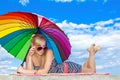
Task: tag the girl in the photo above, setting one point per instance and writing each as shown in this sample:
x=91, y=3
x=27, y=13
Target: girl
x=40, y=60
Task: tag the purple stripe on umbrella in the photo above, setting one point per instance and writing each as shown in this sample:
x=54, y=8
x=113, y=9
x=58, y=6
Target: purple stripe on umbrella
x=60, y=38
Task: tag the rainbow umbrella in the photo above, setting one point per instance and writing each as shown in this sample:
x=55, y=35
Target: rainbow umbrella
x=16, y=29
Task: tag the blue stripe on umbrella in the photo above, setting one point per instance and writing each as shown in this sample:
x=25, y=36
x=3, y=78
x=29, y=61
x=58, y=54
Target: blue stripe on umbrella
x=51, y=45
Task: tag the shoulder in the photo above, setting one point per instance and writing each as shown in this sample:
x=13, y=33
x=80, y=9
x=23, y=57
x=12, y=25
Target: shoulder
x=49, y=52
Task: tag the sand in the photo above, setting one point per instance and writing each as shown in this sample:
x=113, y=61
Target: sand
x=55, y=77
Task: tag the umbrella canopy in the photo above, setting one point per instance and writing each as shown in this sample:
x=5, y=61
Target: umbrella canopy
x=16, y=29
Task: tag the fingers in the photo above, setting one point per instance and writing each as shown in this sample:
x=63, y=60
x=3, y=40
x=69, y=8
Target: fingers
x=32, y=51
x=32, y=48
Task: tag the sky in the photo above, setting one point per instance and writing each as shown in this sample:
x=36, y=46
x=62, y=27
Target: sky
x=83, y=21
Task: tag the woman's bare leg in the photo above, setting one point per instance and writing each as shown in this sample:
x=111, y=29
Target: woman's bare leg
x=89, y=65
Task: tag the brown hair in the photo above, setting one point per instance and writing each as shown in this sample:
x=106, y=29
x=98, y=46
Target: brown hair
x=35, y=37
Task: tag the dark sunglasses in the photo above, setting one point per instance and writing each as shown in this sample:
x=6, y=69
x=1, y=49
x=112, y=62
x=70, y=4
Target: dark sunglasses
x=40, y=48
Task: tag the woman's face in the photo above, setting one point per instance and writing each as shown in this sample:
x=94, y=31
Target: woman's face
x=40, y=47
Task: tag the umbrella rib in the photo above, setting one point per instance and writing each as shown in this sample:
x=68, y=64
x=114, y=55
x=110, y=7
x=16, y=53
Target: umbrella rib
x=51, y=32
x=57, y=45
x=45, y=21
x=55, y=26
x=35, y=20
x=54, y=31
x=21, y=50
x=27, y=17
x=32, y=19
x=16, y=43
x=21, y=16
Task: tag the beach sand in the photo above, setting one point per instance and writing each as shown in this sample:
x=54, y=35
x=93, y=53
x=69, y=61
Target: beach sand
x=60, y=77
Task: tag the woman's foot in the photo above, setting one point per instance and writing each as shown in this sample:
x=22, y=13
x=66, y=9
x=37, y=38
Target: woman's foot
x=93, y=49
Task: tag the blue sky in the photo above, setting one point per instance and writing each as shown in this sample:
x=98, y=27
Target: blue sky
x=84, y=22
x=78, y=11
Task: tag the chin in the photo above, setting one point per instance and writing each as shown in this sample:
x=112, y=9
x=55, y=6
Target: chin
x=40, y=54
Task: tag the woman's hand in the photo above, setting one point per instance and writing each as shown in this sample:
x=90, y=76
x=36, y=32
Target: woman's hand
x=20, y=69
x=31, y=51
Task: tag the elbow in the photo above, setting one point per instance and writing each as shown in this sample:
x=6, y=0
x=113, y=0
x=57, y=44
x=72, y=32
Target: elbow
x=46, y=72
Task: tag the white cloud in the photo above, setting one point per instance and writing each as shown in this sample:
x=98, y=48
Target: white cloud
x=110, y=64
x=96, y=28
x=24, y=2
x=81, y=0
x=117, y=24
x=53, y=19
x=72, y=25
x=4, y=54
x=103, y=23
x=82, y=41
x=7, y=62
x=62, y=1
x=6, y=68
x=117, y=19
x=103, y=33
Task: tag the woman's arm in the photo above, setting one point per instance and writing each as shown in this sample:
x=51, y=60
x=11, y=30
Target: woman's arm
x=48, y=62
x=29, y=63
x=21, y=70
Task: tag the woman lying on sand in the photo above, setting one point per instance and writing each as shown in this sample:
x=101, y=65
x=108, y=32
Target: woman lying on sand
x=40, y=60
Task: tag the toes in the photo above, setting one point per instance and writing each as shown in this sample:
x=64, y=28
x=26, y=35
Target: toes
x=93, y=48
x=97, y=48
x=92, y=45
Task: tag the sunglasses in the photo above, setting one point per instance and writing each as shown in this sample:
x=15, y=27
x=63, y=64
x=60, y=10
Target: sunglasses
x=40, y=48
